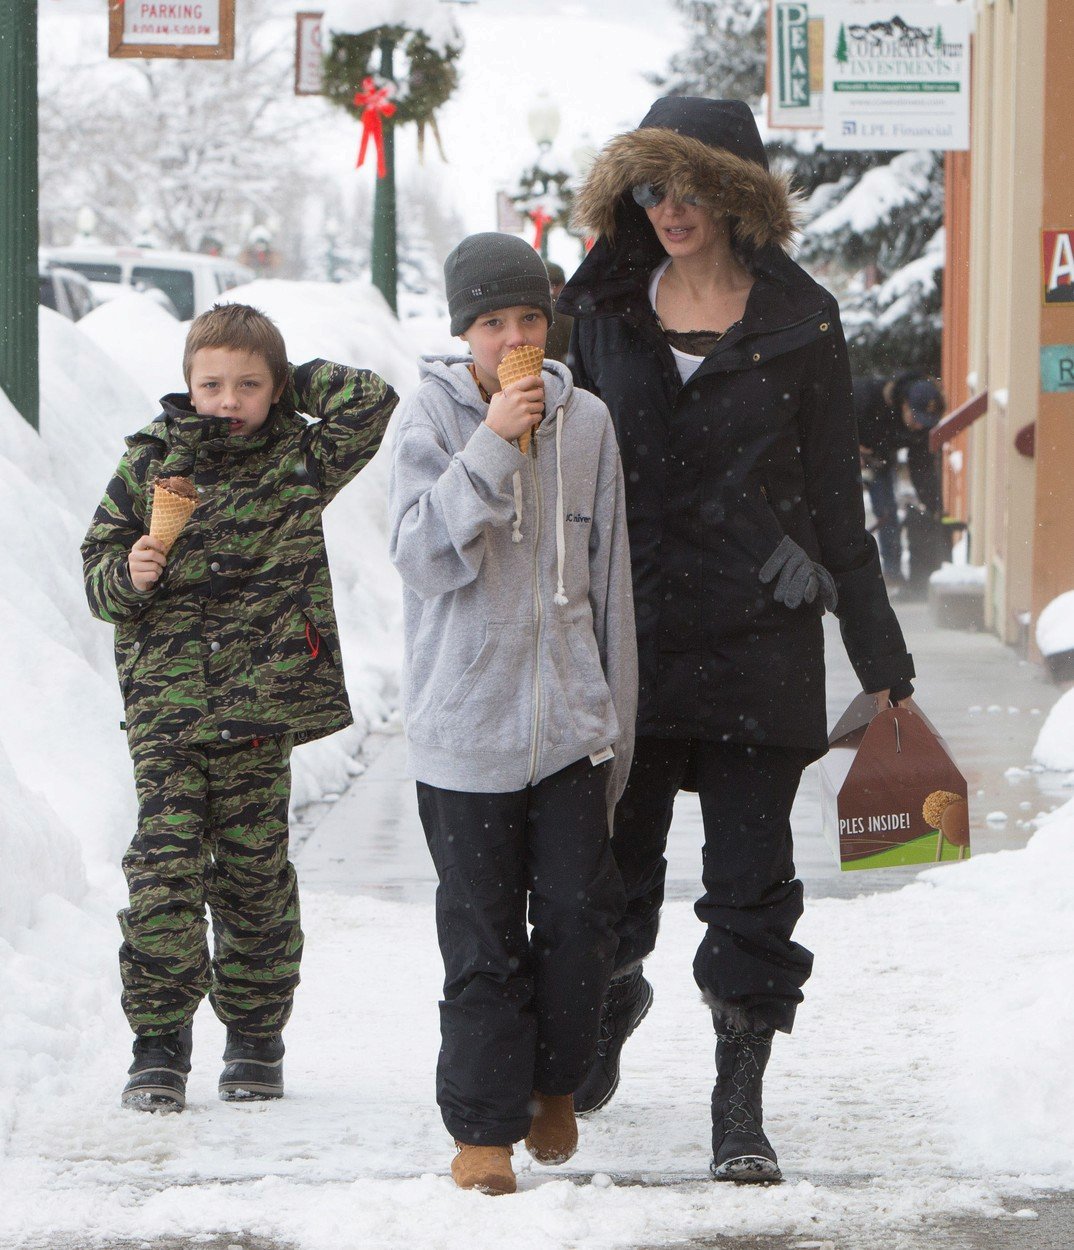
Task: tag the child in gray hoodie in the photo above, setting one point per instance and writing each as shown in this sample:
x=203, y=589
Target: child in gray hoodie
x=520, y=688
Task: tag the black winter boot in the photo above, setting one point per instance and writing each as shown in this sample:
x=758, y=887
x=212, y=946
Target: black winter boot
x=625, y=1006
x=740, y=1150
x=159, y=1071
x=253, y=1067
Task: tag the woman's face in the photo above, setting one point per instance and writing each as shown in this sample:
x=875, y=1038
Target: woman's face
x=685, y=229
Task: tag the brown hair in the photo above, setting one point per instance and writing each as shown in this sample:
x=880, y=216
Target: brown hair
x=240, y=328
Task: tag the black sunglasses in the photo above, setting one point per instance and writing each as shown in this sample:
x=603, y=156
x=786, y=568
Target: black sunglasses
x=646, y=195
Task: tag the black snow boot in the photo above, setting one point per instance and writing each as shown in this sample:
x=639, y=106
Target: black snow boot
x=625, y=1005
x=253, y=1067
x=159, y=1071
x=740, y=1150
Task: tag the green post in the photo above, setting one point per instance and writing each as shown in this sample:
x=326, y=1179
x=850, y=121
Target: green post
x=18, y=206
x=384, y=242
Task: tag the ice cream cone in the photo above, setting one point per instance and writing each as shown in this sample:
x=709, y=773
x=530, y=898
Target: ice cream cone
x=174, y=499
x=523, y=362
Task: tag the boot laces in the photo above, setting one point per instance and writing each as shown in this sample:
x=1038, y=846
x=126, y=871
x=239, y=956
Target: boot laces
x=606, y=1032
x=745, y=1069
x=618, y=998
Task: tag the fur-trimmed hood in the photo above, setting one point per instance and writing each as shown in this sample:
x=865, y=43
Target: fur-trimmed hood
x=708, y=149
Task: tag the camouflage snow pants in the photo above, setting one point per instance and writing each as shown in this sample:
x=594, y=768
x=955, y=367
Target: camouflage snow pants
x=212, y=829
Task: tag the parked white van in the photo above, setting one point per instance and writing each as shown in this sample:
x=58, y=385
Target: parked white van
x=192, y=281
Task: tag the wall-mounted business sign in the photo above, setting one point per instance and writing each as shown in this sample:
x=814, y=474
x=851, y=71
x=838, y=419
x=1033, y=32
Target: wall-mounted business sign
x=795, y=65
x=897, y=76
x=1057, y=368
x=1058, y=266
x=179, y=29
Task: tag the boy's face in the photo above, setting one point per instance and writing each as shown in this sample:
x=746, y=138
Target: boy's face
x=233, y=385
x=496, y=333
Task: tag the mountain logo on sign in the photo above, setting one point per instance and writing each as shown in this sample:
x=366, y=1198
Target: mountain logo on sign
x=895, y=38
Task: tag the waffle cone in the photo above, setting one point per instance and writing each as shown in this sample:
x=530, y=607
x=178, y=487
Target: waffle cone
x=170, y=513
x=523, y=362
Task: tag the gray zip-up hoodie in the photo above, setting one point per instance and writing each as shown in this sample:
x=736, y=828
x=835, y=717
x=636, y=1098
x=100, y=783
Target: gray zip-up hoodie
x=520, y=655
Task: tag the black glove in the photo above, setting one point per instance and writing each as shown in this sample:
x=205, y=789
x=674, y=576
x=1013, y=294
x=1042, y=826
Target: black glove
x=800, y=578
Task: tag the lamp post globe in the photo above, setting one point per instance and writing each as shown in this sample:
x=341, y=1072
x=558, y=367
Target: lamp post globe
x=543, y=119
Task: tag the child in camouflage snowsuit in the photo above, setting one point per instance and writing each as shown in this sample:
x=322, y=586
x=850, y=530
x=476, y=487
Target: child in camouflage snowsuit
x=228, y=655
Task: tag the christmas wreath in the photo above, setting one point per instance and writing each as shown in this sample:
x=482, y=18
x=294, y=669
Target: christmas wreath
x=423, y=76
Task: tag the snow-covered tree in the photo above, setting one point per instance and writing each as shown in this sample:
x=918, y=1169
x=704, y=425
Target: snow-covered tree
x=724, y=55
x=180, y=150
x=874, y=220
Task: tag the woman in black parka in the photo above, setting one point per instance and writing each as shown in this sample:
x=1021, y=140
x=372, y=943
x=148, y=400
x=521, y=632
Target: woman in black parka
x=725, y=370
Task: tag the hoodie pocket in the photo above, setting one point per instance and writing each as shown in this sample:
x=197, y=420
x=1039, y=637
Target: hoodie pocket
x=580, y=705
x=487, y=707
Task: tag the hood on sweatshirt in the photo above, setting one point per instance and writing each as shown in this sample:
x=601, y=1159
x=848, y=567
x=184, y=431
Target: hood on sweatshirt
x=452, y=373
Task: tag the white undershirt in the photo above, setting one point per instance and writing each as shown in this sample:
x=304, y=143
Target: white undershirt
x=686, y=364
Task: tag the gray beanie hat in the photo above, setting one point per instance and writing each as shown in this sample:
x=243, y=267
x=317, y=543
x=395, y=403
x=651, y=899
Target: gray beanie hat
x=489, y=271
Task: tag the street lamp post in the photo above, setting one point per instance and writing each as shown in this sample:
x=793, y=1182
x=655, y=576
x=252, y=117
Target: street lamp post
x=18, y=206
x=331, y=259
x=385, y=259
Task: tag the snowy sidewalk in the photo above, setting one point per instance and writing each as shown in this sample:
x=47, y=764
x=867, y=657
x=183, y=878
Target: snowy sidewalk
x=924, y=1098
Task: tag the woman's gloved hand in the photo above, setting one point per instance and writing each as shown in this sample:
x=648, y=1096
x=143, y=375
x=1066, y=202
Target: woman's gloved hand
x=800, y=578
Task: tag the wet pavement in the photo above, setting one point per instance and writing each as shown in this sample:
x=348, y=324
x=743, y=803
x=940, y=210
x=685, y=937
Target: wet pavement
x=1045, y=1222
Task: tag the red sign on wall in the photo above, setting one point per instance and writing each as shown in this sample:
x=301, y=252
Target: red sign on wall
x=1058, y=270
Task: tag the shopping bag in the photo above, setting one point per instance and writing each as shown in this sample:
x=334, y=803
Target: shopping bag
x=891, y=792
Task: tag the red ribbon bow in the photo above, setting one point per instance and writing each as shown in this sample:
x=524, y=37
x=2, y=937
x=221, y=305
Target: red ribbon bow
x=376, y=101
x=540, y=219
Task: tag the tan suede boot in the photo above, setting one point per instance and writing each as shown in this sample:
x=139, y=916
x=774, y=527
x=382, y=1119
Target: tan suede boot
x=553, y=1135
x=484, y=1168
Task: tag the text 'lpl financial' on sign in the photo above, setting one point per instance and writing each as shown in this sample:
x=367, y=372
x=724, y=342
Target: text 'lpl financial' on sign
x=180, y=29
x=795, y=65
x=897, y=76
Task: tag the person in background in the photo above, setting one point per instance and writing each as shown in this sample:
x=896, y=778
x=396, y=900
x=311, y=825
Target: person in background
x=725, y=370
x=893, y=414
x=559, y=333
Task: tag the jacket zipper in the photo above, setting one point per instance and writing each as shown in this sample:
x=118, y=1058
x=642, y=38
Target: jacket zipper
x=537, y=630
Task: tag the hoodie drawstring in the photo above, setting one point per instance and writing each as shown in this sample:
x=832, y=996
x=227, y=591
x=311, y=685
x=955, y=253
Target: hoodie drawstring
x=560, y=596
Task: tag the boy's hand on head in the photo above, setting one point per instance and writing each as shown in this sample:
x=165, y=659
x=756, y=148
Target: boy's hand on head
x=146, y=562
x=518, y=408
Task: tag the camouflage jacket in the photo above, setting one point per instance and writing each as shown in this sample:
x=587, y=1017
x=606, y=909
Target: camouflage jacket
x=238, y=639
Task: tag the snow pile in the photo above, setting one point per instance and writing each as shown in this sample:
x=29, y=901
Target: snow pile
x=965, y=576
x=135, y=330
x=1055, y=625
x=1011, y=1096
x=1055, y=743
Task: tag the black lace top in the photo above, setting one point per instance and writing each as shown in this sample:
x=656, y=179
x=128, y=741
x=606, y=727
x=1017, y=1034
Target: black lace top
x=694, y=342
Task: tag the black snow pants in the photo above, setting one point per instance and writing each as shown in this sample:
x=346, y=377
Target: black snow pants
x=751, y=901
x=521, y=1009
